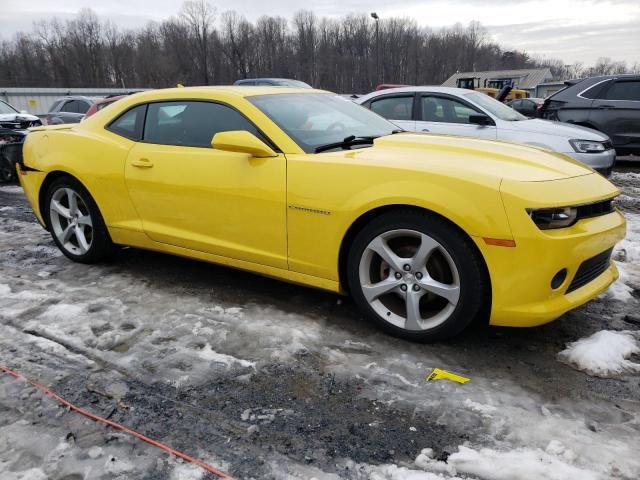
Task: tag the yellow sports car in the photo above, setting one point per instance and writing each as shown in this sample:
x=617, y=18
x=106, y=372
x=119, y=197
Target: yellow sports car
x=426, y=232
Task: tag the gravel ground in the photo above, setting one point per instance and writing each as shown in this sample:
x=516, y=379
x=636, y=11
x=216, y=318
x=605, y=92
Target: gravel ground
x=268, y=380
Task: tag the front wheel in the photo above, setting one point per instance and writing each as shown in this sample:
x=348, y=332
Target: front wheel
x=75, y=222
x=416, y=276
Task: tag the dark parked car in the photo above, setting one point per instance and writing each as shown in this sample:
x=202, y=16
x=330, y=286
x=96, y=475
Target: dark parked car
x=272, y=82
x=68, y=110
x=610, y=104
x=13, y=130
x=529, y=107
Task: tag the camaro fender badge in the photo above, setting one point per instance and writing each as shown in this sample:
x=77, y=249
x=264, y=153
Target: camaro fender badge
x=310, y=210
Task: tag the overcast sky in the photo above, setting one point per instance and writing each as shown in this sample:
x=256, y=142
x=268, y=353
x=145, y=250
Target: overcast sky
x=572, y=30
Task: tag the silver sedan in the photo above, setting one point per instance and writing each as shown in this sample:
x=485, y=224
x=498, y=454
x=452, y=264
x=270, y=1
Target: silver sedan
x=457, y=111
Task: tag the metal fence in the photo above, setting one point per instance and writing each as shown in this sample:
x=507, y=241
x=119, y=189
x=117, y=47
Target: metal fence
x=39, y=100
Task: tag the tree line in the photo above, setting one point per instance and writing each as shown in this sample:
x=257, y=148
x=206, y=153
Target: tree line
x=198, y=47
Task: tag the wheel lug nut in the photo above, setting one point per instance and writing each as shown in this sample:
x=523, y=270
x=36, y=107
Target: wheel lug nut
x=398, y=275
x=403, y=287
x=416, y=288
x=418, y=275
x=407, y=267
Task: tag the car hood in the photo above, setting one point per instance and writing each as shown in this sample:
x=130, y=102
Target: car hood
x=17, y=117
x=451, y=155
x=557, y=129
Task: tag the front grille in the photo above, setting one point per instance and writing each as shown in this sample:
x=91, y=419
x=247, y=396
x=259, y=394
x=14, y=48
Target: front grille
x=590, y=270
x=596, y=209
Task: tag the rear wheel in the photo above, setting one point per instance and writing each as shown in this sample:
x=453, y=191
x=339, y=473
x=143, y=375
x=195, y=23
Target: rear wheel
x=75, y=222
x=416, y=276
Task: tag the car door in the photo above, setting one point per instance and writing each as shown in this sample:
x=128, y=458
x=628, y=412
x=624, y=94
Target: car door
x=440, y=113
x=190, y=195
x=397, y=107
x=616, y=112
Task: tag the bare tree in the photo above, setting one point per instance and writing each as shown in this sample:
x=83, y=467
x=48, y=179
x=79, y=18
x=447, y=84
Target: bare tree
x=333, y=53
x=199, y=16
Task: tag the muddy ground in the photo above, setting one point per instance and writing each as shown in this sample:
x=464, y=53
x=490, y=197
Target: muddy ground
x=269, y=380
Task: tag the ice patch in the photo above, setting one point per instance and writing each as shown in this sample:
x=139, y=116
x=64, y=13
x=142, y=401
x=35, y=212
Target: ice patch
x=603, y=354
x=62, y=311
x=484, y=410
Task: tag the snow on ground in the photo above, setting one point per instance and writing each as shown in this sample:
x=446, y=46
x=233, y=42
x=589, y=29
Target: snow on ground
x=152, y=329
x=605, y=353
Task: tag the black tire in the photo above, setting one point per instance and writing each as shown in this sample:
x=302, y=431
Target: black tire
x=101, y=247
x=474, y=284
x=7, y=170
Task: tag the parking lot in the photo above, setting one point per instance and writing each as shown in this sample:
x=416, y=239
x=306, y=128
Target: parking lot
x=264, y=379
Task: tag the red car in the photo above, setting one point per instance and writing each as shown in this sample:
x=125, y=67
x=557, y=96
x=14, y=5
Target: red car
x=100, y=104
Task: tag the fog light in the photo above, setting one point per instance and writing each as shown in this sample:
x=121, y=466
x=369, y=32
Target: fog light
x=559, y=278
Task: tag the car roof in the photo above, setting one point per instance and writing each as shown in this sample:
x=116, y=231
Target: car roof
x=236, y=90
x=79, y=97
x=435, y=89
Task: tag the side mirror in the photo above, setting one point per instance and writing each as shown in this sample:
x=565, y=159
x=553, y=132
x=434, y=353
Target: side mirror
x=241, y=141
x=480, y=120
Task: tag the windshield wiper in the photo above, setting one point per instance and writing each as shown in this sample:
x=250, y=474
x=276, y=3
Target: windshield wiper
x=346, y=143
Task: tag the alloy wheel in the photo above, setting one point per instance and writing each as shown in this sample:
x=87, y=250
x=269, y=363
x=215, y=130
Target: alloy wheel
x=71, y=221
x=409, y=279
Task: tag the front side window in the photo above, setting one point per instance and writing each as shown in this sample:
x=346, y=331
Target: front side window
x=315, y=119
x=191, y=123
x=445, y=110
x=394, y=108
x=622, y=90
x=129, y=124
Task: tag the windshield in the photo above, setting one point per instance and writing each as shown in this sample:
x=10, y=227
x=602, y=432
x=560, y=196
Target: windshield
x=6, y=108
x=315, y=119
x=495, y=107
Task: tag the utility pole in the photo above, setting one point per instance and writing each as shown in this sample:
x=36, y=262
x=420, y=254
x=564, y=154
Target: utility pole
x=374, y=15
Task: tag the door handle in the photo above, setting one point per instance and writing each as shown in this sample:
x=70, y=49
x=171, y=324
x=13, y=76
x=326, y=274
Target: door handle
x=607, y=107
x=425, y=129
x=142, y=163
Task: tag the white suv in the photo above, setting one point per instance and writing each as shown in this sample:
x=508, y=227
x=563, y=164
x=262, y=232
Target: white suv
x=457, y=111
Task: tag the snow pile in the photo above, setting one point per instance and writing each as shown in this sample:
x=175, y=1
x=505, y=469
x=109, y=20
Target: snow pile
x=520, y=464
x=627, y=256
x=553, y=463
x=604, y=353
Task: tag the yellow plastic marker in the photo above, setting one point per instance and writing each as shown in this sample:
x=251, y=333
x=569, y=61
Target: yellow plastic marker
x=438, y=374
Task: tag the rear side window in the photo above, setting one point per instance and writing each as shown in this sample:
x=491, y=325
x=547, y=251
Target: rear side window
x=190, y=123
x=129, y=124
x=394, y=108
x=75, y=106
x=621, y=90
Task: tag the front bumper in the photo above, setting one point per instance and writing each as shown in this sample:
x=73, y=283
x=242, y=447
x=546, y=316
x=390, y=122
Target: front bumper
x=522, y=294
x=598, y=161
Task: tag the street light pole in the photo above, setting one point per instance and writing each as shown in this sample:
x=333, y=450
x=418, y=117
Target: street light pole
x=374, y=15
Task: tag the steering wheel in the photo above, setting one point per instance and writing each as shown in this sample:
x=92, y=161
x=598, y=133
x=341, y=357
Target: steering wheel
x=336, y=126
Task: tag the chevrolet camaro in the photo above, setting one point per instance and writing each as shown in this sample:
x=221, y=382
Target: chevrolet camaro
x=425, y=232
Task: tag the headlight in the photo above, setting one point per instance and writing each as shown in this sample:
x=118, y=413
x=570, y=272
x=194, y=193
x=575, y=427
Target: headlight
x=587, y=146
x=547, y=218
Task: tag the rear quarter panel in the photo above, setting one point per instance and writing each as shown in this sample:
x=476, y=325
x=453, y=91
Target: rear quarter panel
x=95, y=158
